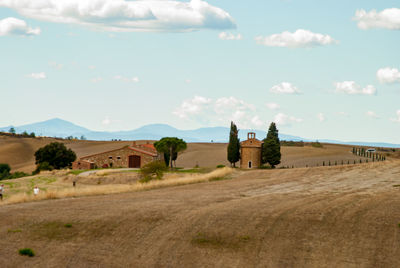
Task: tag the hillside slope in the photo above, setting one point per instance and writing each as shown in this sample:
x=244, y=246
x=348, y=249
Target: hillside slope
x=19, y=152
x=310, y=217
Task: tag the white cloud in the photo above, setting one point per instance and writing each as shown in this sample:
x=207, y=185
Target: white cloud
x=56, y=65
x=230, y=36
x=343, y=114
x=371, y=114
x=321, y=117
x=92, y=67
x=386, y=19
x=41, y=75
x=283, y=119
x=388, y=75
x=300, y=38
x=192, y=107
x=126, y=16
x=96, y=79
x=257, y=122
x=227, y=104
x=352, y=88
x=285, y=88
x=127, y=79
x=13, y=26
x=188, y=81
x=106, y=121
x=273, y=106
x=219, y=111
x=398, y=117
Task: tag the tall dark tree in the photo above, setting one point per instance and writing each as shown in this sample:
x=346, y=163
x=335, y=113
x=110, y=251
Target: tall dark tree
x=170, y=147
x=55, y=155
x=234, y=145
x=271, y=150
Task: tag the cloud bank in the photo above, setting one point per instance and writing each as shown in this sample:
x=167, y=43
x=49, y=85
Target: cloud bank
x=300, y=38
x=126, y=16
x=386, y=19
x=13, y=26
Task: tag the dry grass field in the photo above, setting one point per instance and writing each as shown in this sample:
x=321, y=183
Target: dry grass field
x=344, y=216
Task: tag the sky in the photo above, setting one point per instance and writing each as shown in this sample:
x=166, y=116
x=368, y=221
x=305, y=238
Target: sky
x=319, y=69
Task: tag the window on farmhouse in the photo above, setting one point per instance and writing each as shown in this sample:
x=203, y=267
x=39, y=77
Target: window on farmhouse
x=110, y=157
x=119, y=157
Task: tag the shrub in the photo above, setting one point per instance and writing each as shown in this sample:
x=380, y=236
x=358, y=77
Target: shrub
x=43, y=166
x=317, y=144
x=27, y=252
x=4, y=171
x=17, y=174
x=267, y=166
x=220, y=166
x=68, y=225
x=153, y=170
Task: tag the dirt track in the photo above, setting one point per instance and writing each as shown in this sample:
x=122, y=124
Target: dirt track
x=318, y=217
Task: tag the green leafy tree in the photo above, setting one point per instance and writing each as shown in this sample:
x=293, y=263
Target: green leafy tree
x=4, y=171
x=170, y=147
x=55, y=155
x=12, y=130
x=271, y=150
x=234, y=145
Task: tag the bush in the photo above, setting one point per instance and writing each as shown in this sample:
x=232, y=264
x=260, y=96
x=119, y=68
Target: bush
x=292, y=143
x=317, y=144
x=17, y=174
x=153, y=170
x=4, y=171
x=267, y=166
x=43, y=166
x=220, y=166
x=27, y=252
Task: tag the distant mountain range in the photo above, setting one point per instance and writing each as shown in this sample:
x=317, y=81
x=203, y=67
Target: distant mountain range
x=61, y=128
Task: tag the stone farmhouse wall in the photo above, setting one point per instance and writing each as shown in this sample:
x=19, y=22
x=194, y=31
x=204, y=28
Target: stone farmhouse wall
x=117, y=158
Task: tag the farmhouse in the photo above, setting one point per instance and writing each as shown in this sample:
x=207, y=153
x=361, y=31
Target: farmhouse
x=134, y=156
x=250, y=152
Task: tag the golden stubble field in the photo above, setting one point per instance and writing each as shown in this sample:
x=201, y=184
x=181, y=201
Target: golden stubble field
x=345, y=216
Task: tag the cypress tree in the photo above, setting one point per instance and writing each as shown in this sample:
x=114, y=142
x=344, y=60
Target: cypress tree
x=234, y=145
x=271, y=149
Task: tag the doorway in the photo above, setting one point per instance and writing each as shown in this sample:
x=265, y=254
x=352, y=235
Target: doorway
x=134, y=161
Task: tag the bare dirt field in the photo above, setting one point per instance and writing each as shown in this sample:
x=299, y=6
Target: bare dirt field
x=19, y=153
x=307, y=217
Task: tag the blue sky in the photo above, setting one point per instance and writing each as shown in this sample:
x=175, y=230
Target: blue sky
x=320, y=69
